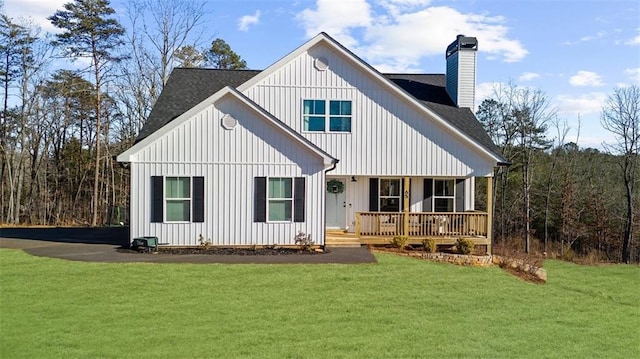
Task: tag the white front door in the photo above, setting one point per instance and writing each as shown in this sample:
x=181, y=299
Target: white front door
x=336, y=203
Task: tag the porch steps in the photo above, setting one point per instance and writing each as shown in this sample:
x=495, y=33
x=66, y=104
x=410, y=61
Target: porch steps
x=341, y=239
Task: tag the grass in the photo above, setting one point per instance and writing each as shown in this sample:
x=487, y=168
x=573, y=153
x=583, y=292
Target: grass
x=399, y=308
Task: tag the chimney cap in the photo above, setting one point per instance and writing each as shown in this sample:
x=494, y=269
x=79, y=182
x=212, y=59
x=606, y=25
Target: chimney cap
x=462, y=43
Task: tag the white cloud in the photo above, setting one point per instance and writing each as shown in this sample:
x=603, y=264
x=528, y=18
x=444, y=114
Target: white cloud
x=634, y=74
x=585, y=78
x=587, y=38
x=336, y=18
x=528, y=76
x=247, y=20
x=583, y=104
x=396, y=34
x=35, y=11
x=634, y=40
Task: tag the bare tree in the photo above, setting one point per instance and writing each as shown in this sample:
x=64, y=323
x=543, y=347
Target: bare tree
x=621, y=116
x=561, y=129
x=168, y=26
x=23, y=55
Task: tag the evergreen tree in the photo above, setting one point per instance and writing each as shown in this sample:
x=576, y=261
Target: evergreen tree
x=220, y=56
x=89, y=30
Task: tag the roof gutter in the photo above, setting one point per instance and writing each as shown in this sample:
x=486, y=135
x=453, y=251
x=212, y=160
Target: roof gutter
x=324, y=232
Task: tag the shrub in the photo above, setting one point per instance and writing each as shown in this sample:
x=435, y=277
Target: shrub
x=400, y=241
x=567, y=253
x=303, y=241
x=429, y=245
x=204, y=243
x=464, y=246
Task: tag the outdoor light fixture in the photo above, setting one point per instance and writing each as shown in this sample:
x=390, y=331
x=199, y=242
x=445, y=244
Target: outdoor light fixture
x=353, y=179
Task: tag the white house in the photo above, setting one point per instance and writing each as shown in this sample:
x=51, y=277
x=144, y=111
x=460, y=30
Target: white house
x=319, y=141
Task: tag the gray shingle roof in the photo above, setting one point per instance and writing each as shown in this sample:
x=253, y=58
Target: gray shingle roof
x=188, y=87
x=430, y=90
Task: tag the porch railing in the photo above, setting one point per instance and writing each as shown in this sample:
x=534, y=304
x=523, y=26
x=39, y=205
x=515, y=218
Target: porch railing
x=422, y=224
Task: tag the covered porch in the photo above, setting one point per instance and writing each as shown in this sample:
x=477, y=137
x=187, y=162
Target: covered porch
x=444, y=227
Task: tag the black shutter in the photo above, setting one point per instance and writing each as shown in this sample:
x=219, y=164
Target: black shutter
x=157, y=200
x=298, y=199
x=260, y=199
x=373, y=195
x=459, y=195
x=197, y=203
x=427, y=202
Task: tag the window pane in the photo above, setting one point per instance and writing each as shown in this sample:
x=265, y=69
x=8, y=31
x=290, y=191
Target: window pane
x=444, y=187
x=389, y=187
x=313, y=107
x=345, y=108
x=443, y=204
x=178, y=210
x=280, y=188
x=340, y=124
x=319, y=107
x=178, y=187
x=340, y=108
x=334, y=108
x=280, y=210
x=389, y=204
x=314, y=123
x=307, y=107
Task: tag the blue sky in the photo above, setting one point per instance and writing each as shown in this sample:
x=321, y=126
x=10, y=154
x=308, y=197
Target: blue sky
x=577, y=52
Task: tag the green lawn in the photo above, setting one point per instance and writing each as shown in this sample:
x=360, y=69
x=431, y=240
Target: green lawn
x=398, y=308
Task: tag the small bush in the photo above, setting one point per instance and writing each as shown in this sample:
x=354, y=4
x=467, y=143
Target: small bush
x=304, y=241
x=568, y=254
x=429, y=245
x=204, y=243
x=464, y=246
x=400, y=241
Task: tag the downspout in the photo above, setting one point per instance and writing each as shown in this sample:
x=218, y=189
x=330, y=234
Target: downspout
x=324, y=231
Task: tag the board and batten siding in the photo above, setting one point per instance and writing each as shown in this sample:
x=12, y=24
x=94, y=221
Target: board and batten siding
x=229, y=160
x=461, y=77
x=388, y=137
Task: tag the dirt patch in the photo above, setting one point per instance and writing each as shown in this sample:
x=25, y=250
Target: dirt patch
x=268, y=251
x=524, y=275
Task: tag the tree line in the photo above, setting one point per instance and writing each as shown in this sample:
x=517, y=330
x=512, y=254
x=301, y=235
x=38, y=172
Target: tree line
x=73, y=100
x=555, y=195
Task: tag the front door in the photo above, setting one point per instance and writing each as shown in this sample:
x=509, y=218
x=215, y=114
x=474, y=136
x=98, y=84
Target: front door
x=336, y=203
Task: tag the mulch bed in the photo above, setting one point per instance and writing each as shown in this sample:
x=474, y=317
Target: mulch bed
x=267, y=251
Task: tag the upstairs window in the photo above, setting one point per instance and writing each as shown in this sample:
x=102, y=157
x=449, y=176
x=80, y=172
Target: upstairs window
x=315, y=116
x=340, y=116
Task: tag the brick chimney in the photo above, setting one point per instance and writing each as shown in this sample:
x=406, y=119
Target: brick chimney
x=461, y=71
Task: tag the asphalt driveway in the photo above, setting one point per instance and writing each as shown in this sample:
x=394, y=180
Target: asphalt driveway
x=77, y=245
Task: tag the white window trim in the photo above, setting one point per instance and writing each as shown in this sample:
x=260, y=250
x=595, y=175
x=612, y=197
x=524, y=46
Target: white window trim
x=380, y=196
x=327, y=116
x=269, y=199
x=166, y=199
x=436, y=196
